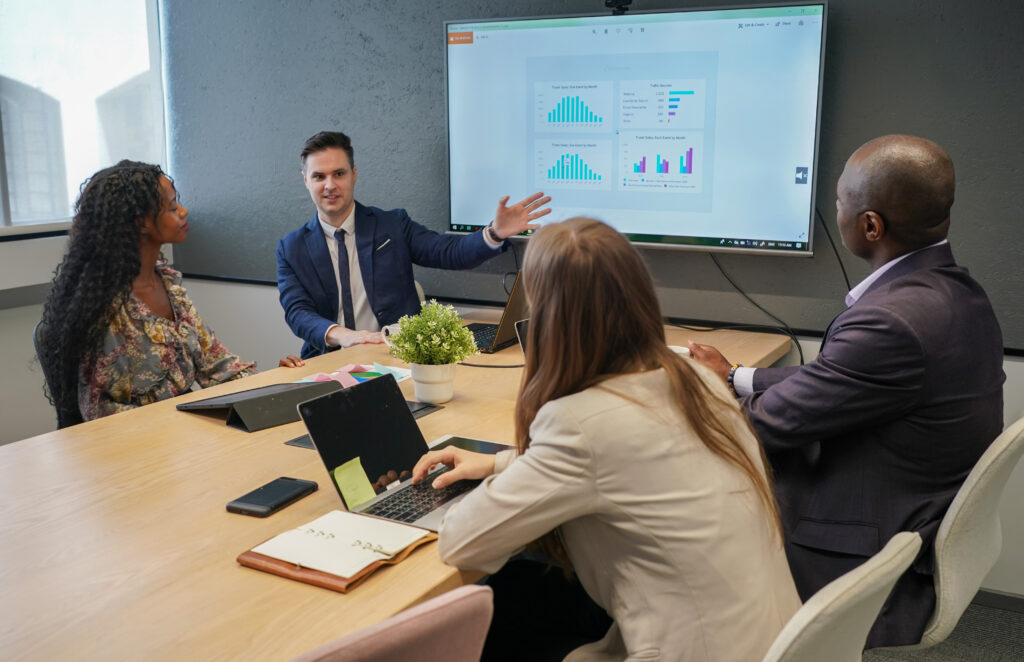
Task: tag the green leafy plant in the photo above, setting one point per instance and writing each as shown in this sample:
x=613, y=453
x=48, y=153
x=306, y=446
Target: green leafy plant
x=433, y=337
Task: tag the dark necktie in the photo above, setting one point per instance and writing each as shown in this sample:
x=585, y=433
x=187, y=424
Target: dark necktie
x=343, y=281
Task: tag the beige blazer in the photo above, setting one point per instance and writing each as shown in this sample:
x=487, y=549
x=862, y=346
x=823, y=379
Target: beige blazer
x=667, y=537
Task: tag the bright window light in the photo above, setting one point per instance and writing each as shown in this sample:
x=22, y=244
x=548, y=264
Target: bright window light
x=80, y=89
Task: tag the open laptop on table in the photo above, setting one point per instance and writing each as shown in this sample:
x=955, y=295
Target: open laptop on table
x=492, y=337
x=369, y=442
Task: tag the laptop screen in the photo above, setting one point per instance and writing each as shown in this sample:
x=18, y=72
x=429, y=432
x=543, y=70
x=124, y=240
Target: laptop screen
x=366, y=437
x=515, y=309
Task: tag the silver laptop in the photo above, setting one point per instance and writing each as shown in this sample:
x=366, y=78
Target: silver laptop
x=369, y=442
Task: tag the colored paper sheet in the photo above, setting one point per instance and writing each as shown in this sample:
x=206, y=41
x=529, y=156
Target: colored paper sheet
x=318, y=377
x=399, y=373
x=344, y=378
x=354, y=367
x=355, y=373
x=351, y=480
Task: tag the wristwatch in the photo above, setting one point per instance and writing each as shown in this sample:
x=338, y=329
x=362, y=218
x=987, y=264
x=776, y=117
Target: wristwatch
x=731, y=379
x=493, y=234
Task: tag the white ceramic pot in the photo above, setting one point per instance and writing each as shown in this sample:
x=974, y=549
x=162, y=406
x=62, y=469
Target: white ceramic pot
x=433, y=384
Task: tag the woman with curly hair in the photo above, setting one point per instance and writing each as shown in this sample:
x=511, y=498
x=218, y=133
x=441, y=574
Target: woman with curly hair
x=634, y=467
x=118, y=329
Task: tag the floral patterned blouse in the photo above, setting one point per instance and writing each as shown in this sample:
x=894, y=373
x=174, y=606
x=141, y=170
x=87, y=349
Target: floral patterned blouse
x=147, y=358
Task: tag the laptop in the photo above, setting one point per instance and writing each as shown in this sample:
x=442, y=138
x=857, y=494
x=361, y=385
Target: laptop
x=492, y=337
x=369, y=442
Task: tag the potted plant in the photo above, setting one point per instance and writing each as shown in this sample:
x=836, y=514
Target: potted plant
x=432, y=342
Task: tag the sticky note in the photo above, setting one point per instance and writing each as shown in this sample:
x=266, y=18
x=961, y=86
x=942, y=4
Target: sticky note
x=351, y=480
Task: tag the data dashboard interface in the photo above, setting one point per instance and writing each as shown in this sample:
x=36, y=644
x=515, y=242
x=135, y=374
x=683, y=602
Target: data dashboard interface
x=694, y=128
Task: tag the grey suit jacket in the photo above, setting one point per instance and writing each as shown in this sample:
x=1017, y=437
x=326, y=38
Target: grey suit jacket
x=877, y=434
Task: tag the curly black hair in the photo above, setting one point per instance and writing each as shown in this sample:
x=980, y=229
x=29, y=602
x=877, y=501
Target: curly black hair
x=95, y=277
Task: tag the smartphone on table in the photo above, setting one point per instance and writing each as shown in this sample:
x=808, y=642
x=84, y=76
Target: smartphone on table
x=272, y=497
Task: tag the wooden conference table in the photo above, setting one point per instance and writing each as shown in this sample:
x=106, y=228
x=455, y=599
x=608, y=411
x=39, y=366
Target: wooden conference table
x=115, y=543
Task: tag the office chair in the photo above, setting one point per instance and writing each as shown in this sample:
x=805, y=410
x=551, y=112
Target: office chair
x=970, y=537
x=834, y=623
x=37, y=337
x=37, y=334
x=450, y=627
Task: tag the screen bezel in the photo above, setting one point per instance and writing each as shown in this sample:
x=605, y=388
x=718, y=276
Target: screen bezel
x=688, y=243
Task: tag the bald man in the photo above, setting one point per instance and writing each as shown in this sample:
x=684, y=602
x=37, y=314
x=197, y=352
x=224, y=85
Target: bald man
x=876, y=435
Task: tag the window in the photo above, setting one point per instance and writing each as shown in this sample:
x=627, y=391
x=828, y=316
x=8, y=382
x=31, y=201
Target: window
x=80, y=89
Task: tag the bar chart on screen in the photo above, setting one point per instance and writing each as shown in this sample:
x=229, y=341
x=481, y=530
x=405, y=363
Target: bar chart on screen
x=573, y=106
x=668, y=162
x=662, y=104
x=662, y=166
x=574, y=164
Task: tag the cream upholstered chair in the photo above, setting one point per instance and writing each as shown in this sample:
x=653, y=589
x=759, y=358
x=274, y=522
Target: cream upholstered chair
x=834, y=623
x=970, y=536
x=450, y=627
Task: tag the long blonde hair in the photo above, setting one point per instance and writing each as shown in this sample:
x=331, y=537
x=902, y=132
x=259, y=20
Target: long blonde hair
x=594, y=315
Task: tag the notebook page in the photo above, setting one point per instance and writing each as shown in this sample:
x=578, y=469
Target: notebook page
x=341, y=543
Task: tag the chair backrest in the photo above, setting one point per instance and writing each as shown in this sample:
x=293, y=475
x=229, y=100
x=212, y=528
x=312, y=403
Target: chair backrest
x=450, y=627
x=834, y=623
x=37, y=334
x=37, y=337
x=970, y=537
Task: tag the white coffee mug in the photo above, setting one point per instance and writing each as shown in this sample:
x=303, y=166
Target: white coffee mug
x=387, y=331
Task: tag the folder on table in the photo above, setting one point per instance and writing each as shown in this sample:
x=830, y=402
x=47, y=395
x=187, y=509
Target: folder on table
x=263, y=407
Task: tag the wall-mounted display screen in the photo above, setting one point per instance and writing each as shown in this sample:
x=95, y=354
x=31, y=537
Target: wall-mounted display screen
x=688, y=129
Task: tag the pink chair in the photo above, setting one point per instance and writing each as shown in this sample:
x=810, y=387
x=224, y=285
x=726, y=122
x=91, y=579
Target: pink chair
x=450, y=627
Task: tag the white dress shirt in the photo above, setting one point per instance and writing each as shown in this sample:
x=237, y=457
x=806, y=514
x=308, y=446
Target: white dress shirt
x=365, y=320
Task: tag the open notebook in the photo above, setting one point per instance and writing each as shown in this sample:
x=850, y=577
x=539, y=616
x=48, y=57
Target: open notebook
x=336, y=551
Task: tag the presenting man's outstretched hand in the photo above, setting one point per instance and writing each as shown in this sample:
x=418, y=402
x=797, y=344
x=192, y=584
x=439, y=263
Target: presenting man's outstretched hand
x=520, y=217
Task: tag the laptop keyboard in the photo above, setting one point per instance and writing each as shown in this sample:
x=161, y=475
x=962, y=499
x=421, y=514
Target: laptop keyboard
x=413, y=501
x=483, y=334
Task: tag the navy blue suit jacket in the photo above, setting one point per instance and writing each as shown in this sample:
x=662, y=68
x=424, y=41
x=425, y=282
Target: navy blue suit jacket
x=388, y=244
x=876, y=435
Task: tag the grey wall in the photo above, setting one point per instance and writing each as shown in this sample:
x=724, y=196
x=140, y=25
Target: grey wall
x=247, y=82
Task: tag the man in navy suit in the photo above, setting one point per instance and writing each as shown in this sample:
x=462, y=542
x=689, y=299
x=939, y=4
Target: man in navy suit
x=877, y=434
x=347, y=272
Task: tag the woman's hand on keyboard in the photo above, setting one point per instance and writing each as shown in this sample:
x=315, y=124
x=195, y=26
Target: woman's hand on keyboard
x=465, y=465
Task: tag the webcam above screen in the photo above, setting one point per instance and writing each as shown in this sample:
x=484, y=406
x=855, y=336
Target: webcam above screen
x=689, y=129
